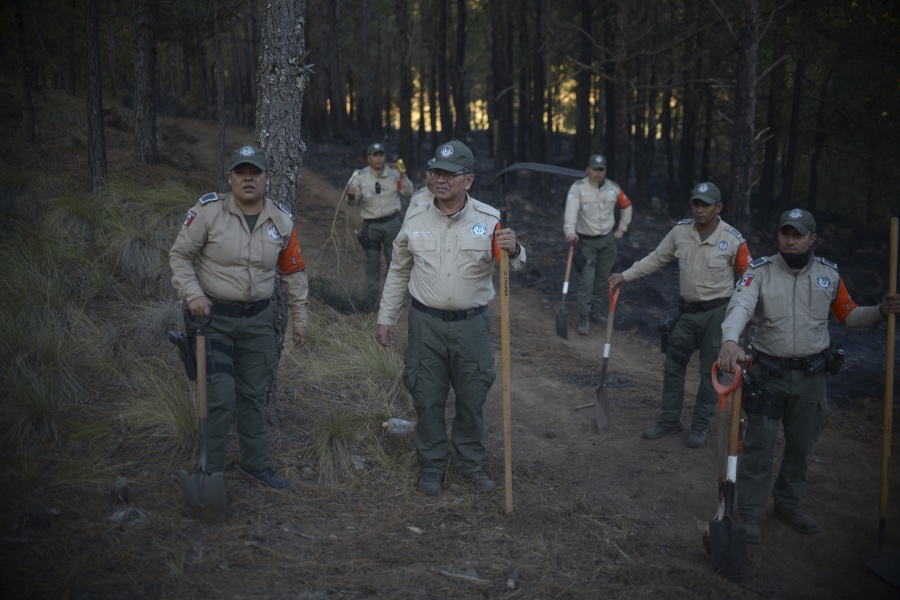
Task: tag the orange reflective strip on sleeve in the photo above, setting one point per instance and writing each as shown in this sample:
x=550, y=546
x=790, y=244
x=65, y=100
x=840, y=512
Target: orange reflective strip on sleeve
x=496, y=243
x=623, y=200
x=843, y=304
x=290, y=260
x=743, y=259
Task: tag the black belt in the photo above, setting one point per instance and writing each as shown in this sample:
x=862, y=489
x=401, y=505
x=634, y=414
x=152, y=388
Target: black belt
x=585, y=236
x=449, y=315
x=776, y=363
x=383, y=219
x=240, y=309
x=701, y=307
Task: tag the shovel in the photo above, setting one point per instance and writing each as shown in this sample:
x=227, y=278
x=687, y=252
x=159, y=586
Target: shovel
x=726, y=540
x=562, y=326
x=886, y=564
x=204, y=493
x=602, y=409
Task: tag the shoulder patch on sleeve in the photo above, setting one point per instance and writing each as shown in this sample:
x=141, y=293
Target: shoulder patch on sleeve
x=207, y=198
x=827, y=262
x=685, y=222
x=486, y=209
x=284, y=209
x=735, y=233
x=759, y=262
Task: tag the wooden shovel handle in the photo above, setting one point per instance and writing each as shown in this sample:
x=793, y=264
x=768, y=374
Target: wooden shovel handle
x=569, y=265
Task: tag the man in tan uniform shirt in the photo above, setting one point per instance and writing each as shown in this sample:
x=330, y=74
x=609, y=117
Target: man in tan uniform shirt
x=590, y=221
x=709, y=253
x=790, y=294
x=444, y=255
x=377, y=189
x=224, y=263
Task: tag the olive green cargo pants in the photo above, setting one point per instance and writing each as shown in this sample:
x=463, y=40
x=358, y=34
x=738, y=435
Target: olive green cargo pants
x=381, y=238
x=593, y=286
x=805, y=417
x=697, y=331
x=441, y=354
x=237, y=387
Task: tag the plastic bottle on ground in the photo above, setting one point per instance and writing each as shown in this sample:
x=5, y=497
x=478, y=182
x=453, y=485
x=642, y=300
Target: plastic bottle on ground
x=399, y=426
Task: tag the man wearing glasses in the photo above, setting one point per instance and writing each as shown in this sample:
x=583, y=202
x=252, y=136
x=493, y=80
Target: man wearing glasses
x=377, y=189
x=444, y=255
x=589, y=219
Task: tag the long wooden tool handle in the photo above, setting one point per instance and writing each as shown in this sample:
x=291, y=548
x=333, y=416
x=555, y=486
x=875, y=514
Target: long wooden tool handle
x=569, y=267
x=504, y=358
x=888, y=391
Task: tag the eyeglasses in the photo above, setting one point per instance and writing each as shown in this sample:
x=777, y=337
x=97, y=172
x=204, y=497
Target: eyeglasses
x=437, y=174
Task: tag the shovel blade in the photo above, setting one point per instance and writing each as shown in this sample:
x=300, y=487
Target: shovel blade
x=601, y=408
x=562, y=325
x=728, y=548
x=886, y=565
x=204, y=495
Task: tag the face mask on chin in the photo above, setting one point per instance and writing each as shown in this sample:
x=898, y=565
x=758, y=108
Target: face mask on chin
x=796, y=261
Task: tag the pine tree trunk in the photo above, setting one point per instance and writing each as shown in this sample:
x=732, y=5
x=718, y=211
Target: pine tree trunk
x=24, y=70
x=282, y=82
x=98, y=173
x=143, y=26
x=745, y=110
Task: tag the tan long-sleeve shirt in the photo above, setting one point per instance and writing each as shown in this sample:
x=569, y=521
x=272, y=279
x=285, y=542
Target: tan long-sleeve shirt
x=216, y=255
x=446, y=262
x=792, y=309
x=378, y=194
x=590, y=209
x=706, y=267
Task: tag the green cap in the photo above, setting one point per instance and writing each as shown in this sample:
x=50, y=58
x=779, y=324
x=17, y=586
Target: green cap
x=454, y=157
x=597, y=161
x=706, y=191
x=375, y=148
x=799, y=219
x=250, y=155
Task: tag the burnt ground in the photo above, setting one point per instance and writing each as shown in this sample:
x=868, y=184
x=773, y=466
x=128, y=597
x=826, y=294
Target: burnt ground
x=595, y=515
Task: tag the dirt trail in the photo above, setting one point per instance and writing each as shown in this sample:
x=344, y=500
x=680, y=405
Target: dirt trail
x=663, y=486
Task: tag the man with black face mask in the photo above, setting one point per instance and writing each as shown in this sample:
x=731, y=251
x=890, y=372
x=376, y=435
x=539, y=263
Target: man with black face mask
x=790, y=294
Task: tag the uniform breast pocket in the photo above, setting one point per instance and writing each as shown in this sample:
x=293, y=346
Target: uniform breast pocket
x=271, y=248
x=717, y=270
x=426, y=258
x=474, y=257
x=820, y=304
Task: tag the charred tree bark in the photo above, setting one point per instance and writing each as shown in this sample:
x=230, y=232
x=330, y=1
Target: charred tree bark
x=143, y=27
x=25, y=75
x=772, y=146
x=791, y=160
x=744, y=114
x=98, y=173
x=459, y=84
x=446, y=117
x=283, y=78
x=220, y=93
x=583, y=148
x=617, y=152
x=502, y=133
x=406, y=87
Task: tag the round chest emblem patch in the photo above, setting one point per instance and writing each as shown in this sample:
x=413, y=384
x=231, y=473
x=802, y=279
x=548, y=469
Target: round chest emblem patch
x=723, y=245
x=479, y=229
